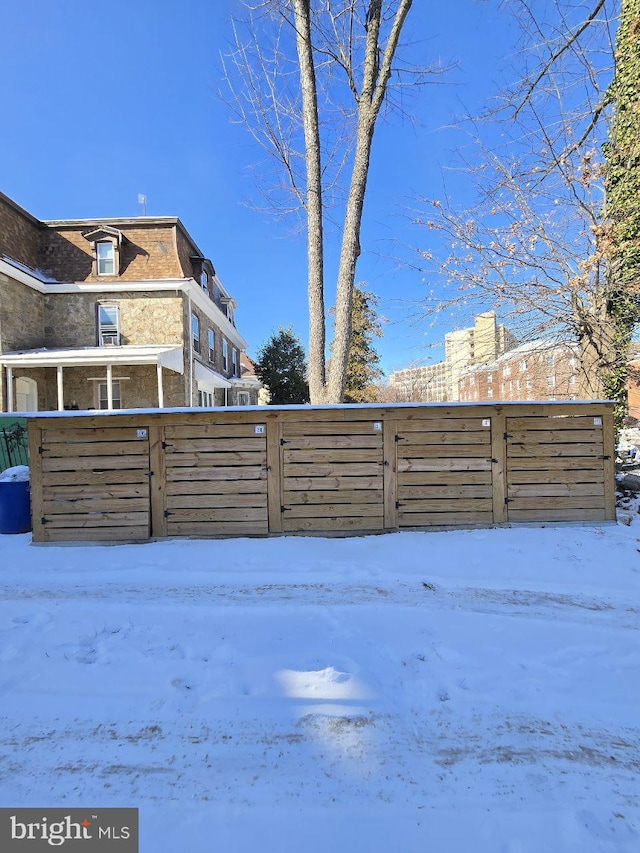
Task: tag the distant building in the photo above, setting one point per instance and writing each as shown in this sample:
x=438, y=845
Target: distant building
x=482, y=343
x=427, y=384
x=538, y=370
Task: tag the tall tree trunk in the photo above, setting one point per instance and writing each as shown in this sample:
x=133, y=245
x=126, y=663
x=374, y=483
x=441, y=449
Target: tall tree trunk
x=313, y=202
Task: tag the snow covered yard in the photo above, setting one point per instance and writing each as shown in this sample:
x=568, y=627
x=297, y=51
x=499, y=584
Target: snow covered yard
x=463, y=691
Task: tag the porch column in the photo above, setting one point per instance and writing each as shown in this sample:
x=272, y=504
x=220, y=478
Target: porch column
x=160, y=390
x=9, y=389
x=60, y=388
x=109, y=387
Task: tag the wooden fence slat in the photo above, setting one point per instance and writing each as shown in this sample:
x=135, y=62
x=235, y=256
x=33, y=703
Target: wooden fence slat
x=460, y=464
x=345, y=469
x=549, y=436
x=338, y=483
x=609, y=469
x=89, y=435
x=209, y=501
x=591, y=476
x=247, y=472
x=406, y=493
x=36, y=486
x=540, y=450
x=336, y=496
x=568, y=489
x=559, y=422
x=274, y=477
x=87, y=479
x=443, y=425
x=99, y=463
x=443, y=451
x=558, y=502
x=551, y=515
x=96, y=449
x=444, y=519
x=195, y=432
x=549, y=463
x=219, y=514
x=215, y=445
x=446, y=505
x=499, y=468
x=101, y=534
x=417, y=440
x=97, y=504
x=363, y=510
x=217, y=487
x=306, y=430
x=337, y=523
x=97, y=519
x=217, y=529
x=335, y=456
x=326, y=442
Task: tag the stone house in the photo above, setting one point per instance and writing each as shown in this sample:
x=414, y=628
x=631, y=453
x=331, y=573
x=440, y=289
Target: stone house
x=113, y=313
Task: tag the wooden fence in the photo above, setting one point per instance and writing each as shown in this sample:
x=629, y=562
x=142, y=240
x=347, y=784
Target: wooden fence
x=255, y=472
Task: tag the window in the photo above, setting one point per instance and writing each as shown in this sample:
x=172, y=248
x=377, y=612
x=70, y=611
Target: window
x=243, y=398
x=502, y=388
x=550, y=360
x=572, y=362
x=528, y=384
x=103, y=397
x=106, y=258
x=225, y=355
x=195, y=332
x=234, y=362
x=472, y=381
x=489, y=378
x=204, y=281
x=551, y=381
x=572, y=380
x=523, y=365
x=506, y=370
x=108, y=325
x=211, y=341
x=489, y=393
x=205, y=399
x=518, y=385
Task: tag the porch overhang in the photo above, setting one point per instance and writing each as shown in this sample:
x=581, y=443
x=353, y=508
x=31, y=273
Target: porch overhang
x=167, y=356
x=162, y=356
x=208, y=379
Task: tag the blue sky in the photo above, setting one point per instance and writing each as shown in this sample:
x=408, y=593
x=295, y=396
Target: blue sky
x=103, y=103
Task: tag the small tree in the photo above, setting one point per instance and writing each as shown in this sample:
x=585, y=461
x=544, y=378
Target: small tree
x=281, y=366
x=363, y=369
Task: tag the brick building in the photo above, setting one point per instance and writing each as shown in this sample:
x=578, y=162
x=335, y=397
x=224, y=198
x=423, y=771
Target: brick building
x=113, y=313
x=538, y=370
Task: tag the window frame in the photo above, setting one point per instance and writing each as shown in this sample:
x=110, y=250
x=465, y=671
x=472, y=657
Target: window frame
x=111, y=258
x=211, y=345
x=242, y=395
x=100, y=325
x=195, y=332
x=116, y=386
x=225, y=355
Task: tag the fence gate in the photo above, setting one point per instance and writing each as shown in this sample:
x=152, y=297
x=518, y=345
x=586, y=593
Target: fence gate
x=216, y=479
x=444, y=472
x=95, y=484
x=555, y=469
x=332, y=476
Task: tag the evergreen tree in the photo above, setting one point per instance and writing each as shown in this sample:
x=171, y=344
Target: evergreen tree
x=622, y=182
x=282, y=368
x=363, y=361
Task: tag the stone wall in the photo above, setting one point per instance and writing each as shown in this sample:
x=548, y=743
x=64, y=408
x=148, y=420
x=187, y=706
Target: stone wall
x=71, y=319
x=21, y=316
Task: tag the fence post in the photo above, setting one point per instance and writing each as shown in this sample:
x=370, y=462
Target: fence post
x=609, y=453
x=499, y=466
x=35, y=485
x=158, y=481
x=390, y=474
x=274, y=475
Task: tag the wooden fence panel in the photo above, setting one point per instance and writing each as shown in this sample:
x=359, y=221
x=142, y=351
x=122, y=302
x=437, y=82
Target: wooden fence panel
x=306, y=470
x=332, y=476
x=555, y=468
x=216, y=480
x=95, y=484
x=429, y=453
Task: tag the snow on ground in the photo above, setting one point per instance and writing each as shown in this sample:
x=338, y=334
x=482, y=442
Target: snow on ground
x=462, y=691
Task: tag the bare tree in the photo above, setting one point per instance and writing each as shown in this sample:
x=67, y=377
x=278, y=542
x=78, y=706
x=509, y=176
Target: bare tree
x=535, y=243
x=310, y=78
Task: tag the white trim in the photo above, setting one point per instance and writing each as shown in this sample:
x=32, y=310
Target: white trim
x=169, y=356
x=60, y=386
x=9, y=389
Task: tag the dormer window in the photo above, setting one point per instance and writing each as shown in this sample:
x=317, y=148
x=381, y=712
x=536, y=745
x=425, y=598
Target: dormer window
x=106, y=258
x=106, y=244
x=204, y=281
